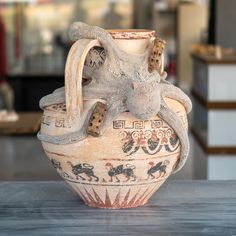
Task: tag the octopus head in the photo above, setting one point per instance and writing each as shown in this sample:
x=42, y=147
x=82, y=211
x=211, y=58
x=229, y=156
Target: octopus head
x=143, y=99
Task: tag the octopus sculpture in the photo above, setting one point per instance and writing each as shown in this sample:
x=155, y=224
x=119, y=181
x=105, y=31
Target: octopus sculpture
x=127, y=83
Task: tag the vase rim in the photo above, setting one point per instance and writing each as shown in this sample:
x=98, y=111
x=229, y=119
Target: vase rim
x=131, y=33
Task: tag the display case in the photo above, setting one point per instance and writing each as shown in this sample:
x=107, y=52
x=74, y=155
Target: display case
x=214, y=103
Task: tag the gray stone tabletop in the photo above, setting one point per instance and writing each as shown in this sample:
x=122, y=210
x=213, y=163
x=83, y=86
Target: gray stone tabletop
x=178, y=208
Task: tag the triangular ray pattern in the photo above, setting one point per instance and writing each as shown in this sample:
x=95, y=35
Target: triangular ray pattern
x=139, y=201
x=98, y=199
x=132, y=201
x=123, y=198
x=125, y=202
x=148, y=195
x=107, y=200
x=116, y=203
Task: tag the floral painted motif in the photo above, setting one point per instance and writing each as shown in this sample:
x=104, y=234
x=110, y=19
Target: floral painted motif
x=150, y=141
x=95, y=57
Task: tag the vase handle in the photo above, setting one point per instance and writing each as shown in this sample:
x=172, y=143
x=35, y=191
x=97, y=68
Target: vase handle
x=73, y=75
x=162, y=66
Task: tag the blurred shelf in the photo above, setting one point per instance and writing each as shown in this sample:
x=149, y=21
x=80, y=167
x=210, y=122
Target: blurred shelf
x=219, y=150
x=225, y=105
x=28, y=123
x=211, y=59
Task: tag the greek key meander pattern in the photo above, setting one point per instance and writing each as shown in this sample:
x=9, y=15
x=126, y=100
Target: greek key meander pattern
x=142, y=124
x=58, y=122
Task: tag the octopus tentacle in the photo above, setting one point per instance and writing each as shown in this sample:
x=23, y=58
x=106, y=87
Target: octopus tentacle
x=170, y=91
x=63, y=139
x=89, y=92
x=97, y=91
x=58, y=96
x=163, y=78
x=61, y=89
x=114, y=110
x=79, y=30
x=71, y=137
x=176, y=123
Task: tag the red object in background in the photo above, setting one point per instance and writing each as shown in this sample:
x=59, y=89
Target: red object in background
x=171, y=70
x=3, y=52
x=172, y=67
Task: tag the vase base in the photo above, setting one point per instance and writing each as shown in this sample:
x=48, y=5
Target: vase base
x=115, y=207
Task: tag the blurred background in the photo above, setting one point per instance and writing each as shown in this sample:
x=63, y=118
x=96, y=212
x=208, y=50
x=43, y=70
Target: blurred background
x=199, y=58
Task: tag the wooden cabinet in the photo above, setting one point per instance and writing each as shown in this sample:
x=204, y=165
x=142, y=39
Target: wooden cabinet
x=214, y=117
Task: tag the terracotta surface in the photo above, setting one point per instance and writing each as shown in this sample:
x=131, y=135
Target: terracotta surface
x=130, y=158
x=115, y=170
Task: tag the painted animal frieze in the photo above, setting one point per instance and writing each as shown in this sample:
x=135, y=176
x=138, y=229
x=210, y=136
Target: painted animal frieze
x=126, y=170
x=159, y=168
x=56, y=164
x=115, y=173
x=83, y=169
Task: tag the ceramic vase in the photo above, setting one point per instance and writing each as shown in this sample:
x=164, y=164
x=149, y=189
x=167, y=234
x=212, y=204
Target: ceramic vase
x=124, y=166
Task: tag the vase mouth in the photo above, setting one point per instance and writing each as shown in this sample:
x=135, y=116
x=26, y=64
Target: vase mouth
x=131, y=33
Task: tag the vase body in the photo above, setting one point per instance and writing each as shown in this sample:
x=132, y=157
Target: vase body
x=125, y=166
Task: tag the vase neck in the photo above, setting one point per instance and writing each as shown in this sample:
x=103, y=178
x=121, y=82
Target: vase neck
x=133, y=41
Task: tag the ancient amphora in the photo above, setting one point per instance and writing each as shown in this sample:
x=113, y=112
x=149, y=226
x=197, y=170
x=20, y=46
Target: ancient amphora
x=117, y=138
